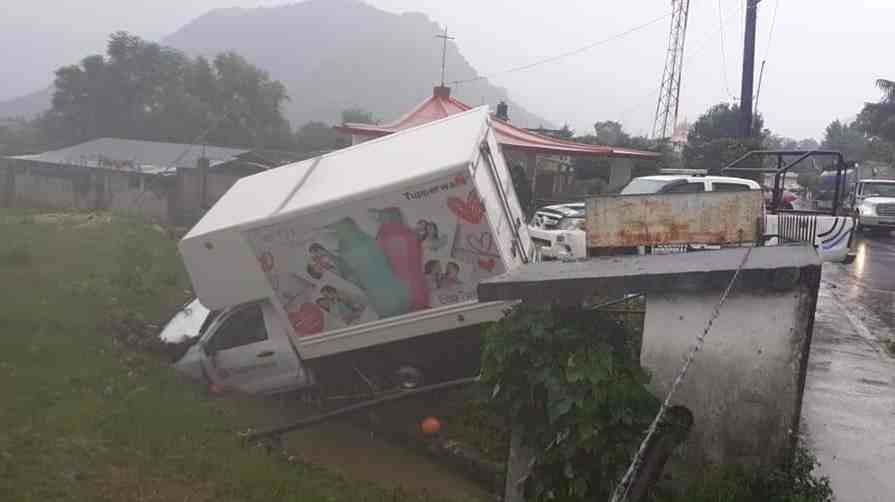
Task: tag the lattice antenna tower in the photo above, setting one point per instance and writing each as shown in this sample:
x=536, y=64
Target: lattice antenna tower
x=670, y=88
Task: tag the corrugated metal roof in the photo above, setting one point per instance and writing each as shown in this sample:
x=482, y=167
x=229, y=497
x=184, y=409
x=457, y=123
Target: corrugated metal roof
x=130, y=154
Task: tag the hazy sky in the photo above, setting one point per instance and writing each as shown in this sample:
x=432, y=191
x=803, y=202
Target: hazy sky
x=821, y=64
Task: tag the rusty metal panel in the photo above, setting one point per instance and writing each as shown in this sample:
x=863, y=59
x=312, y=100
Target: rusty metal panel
x=657, y=219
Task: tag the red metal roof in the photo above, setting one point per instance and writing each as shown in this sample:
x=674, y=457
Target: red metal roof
x=441, y=105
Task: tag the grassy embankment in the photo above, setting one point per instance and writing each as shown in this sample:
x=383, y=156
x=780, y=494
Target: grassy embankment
x=87, y=416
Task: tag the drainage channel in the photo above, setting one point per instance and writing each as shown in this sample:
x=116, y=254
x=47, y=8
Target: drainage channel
x=346, y=446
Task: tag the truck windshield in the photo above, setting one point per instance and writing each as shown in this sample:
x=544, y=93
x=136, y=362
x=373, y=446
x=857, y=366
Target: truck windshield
x=642, y=186
x=879, y=189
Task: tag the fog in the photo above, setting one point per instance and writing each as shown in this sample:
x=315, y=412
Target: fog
x=822, y=59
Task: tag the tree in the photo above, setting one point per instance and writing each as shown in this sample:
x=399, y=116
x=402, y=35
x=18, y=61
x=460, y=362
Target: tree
x=593, y=173
x=713, y=140
x=610, y=133
x=250, y=105
x=877, y=120
x=357, y=116
x=775, y=142
x=142, y=90
x=808, y=144
x=318, y=137
x=809, y=180
x=522, y=186
x=847, y=138
x=19, y=137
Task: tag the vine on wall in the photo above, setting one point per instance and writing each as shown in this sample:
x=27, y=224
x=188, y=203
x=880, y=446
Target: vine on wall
x=572, y=382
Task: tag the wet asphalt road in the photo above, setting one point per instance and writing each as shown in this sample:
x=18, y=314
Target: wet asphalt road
x=872, y=276
x=848, y=412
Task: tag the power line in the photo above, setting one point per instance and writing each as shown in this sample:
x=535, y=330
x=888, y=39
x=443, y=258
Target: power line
x=766, y=53
x=700, y=47
x=565, y=54
x=173, y=165
x=771, y=32
x=723, y=50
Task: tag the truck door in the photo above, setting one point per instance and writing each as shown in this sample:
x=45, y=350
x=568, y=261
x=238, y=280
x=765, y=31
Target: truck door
x=248, y=350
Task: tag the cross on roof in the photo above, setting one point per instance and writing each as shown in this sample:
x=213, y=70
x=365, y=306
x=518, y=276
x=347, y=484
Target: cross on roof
x=445, y=39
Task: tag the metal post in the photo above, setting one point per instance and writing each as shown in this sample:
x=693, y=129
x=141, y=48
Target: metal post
x=840, y=170
x=7, y=195
x=748, y=69
x=444, y=39
x=202, y=165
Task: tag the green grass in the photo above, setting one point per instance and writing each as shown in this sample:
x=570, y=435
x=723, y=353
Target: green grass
x=795, y=481
x=84, y=416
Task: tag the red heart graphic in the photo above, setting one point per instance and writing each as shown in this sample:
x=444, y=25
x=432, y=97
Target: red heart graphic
x=487, y=264
x=308, y=320
x=470, y=210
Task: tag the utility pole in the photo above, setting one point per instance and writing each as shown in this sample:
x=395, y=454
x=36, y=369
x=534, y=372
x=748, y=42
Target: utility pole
x=748, y=69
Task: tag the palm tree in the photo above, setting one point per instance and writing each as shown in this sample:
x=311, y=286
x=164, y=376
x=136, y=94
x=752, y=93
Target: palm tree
x=888, y=88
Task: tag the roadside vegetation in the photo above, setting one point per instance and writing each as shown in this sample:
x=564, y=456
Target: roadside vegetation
x=93, y=411
x=90, y=412
x=889, y=345
x=794, y=481
x=572, y=383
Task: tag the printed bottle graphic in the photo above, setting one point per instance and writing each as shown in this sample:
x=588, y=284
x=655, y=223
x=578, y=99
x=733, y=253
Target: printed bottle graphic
x=405, y=254
x=387, y=295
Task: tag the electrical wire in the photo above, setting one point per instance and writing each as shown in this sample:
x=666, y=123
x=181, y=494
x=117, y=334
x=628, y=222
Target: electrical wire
x=700, y=47
x=767, y=51
x=723, y=50
x=771, y=32
x=566, y=54
x=173, y=164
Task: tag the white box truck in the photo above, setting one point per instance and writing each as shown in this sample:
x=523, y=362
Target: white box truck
x=370, y=247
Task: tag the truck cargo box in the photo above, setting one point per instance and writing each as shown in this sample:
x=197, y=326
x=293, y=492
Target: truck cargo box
x=375, y=243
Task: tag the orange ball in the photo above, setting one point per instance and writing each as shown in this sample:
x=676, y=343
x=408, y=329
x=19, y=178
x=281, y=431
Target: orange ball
x=430, y=425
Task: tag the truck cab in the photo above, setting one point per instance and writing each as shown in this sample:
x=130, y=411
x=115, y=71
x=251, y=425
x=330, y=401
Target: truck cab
x=873, y=202
x=245, y=348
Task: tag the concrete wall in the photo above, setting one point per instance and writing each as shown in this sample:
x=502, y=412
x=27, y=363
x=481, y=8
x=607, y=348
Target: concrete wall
x=50, y=188
x=745, y=387
x=174, y=199
x=136, y=194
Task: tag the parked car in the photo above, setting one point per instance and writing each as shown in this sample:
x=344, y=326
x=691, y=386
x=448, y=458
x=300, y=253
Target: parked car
x=873, y=202
x=558, y=231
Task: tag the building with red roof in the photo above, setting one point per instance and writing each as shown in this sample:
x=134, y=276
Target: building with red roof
x=546, y=158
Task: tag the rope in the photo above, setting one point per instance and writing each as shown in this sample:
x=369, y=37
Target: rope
x=620, y=493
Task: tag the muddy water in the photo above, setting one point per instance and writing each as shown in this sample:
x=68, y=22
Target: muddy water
x=359, y=454
x=345, y=447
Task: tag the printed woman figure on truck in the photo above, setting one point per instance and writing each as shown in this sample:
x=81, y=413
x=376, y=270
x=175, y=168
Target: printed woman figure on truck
x=323, y=260
x=427, y=233
x=345, y=306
